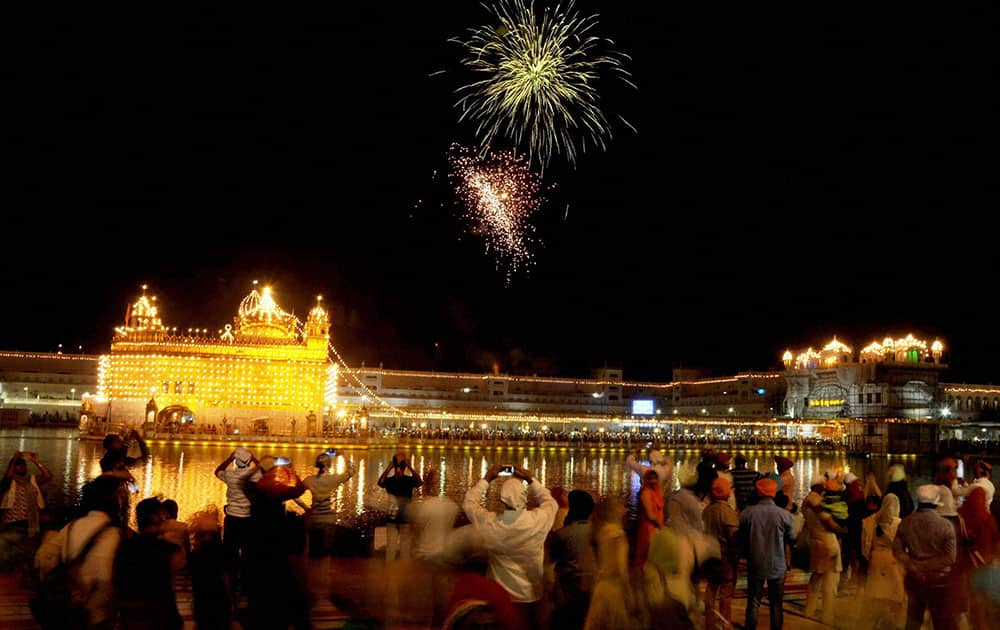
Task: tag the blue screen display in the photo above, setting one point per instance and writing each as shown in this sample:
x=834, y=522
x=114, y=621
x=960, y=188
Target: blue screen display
x=642, y=408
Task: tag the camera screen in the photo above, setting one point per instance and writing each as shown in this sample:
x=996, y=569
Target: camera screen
x=507, y=471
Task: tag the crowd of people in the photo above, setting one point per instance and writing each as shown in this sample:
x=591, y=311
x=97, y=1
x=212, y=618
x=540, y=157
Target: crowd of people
x=515, y=554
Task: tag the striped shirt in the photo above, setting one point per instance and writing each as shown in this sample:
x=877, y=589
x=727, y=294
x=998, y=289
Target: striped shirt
x=743, y=485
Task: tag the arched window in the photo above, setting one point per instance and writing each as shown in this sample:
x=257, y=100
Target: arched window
x=968, y=403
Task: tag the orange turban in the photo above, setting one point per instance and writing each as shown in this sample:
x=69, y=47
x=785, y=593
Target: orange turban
x=767, y=487
x=721, y=488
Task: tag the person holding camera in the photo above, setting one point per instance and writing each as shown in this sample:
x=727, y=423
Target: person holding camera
x=515, y=538
x=237, y=524
x=400, y=485
x=23, y=500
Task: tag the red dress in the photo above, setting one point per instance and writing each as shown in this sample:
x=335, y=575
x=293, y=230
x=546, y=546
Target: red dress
x=646, y=527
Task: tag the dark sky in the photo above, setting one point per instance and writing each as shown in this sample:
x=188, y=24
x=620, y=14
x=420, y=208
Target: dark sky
x=794, y=175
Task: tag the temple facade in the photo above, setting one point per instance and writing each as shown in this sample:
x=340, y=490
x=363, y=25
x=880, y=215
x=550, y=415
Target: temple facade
x=260, y=373
x=894, y=378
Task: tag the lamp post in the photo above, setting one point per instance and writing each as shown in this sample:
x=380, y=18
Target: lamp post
x=72, y=393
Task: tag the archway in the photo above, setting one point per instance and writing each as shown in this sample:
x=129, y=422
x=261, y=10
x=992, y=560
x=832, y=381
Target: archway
x=174, y=418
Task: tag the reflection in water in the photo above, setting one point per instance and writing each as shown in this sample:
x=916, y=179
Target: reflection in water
x=185, y=473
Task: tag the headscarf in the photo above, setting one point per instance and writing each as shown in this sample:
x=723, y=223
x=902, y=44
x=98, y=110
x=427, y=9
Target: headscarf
x=651, y=480
x=897, y=473
x=888, y=517
x=882, y=523
x=26, y=484
x=687, y=475
x=513, y=495
x=242, y=457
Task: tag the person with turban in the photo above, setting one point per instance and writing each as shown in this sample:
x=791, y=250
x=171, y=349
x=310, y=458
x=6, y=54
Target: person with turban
x=721, y=522
x=824, y=555
x=982, y=471
x=659, y=461
x=651, y=516
x=898, y=486
x=787, y=485
x=925, y=546
x=765, y=529
x=515, y=538
x=884, y=586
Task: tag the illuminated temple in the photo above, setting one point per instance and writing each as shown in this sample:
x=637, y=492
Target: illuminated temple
x=260, y=372
x=894, y=378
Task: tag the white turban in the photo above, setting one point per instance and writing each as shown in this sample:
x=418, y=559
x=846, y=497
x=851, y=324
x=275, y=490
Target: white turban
x=929, y=493
x=242, y=457
x=687, y=475
x=513, y=494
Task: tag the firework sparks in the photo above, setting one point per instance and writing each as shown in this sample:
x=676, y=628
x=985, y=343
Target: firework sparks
x=500, y=194
x=539, y=78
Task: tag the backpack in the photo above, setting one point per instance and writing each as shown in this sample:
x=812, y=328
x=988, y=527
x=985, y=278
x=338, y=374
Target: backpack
x=55, y=604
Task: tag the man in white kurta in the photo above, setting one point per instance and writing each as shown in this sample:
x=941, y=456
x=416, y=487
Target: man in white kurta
x=515, y=538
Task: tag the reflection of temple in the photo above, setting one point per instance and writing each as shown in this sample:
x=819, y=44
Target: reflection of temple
x=897, y=378
x=257, y=374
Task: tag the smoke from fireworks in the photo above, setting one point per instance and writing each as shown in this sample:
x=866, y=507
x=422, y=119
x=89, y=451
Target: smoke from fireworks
x=538, y=80
x=500, y=194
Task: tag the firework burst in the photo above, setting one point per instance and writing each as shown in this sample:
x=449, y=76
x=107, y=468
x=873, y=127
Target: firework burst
x=539, y=75
x=500, y=194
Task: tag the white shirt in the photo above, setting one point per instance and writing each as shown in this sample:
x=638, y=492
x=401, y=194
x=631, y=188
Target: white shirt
x=433, y=518
x=514, y=540
x=237, y=503
x=93, y=578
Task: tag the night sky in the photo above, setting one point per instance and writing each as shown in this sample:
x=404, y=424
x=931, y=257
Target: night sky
x=794, y=175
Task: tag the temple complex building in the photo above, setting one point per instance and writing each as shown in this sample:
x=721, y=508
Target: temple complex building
x=267, y=372
x=260, y=372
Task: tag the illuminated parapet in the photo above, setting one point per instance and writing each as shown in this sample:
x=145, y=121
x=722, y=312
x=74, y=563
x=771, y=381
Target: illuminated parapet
x=908, y=349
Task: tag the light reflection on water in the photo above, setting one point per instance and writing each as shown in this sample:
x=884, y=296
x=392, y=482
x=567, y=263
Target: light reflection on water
x=185, y=473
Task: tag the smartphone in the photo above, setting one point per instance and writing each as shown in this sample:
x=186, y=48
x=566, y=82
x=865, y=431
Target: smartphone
x=506, y=471
x=282, y=461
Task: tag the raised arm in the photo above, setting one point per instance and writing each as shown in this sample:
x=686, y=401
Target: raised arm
x=143, y=449
x=385, y=473
x=545, y=513
x=349, y=471
x=472, y=505
x=221, y=468
x=46, y=476
x=417, y=481
x=632, y=461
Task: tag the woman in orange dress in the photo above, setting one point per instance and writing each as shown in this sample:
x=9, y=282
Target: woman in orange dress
x=651, y=504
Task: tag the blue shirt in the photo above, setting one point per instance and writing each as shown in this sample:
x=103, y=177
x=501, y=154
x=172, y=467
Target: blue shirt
x=765, y=529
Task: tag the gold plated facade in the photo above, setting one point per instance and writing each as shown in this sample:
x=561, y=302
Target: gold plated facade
x=266, y=364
